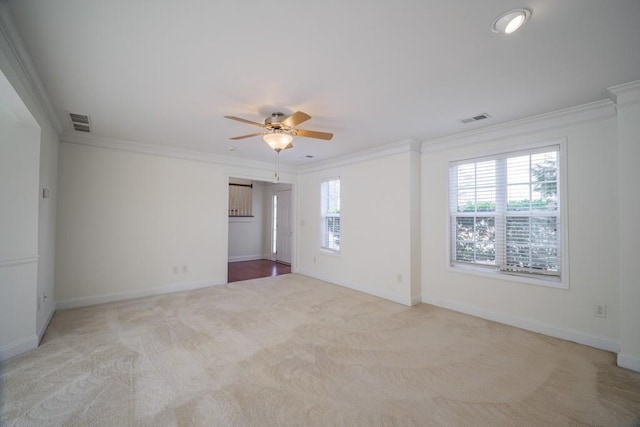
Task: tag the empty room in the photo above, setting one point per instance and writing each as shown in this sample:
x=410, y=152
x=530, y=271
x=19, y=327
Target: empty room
x=336, y=213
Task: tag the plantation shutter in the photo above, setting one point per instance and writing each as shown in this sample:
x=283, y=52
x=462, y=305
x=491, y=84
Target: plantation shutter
x=473, y=205
x=505, y=212
x=330, y=214
x=533, y=213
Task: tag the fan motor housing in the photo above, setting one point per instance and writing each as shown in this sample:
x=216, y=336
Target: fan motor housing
x=273, y=122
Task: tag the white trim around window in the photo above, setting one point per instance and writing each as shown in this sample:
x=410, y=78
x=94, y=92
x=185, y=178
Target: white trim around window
x=492, y=267
x=330, y=220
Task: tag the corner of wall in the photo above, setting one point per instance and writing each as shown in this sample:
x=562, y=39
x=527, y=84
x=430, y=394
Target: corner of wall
x=43, y=328
x=22, y=75
x=628, y=362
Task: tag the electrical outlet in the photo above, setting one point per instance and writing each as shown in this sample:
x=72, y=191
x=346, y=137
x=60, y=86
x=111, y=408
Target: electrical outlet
x=176, y=269
x=600, y=310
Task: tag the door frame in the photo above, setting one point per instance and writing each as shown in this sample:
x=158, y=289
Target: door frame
x=291, y=225
x=294, y=217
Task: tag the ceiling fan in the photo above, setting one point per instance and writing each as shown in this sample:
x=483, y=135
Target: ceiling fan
x=280, y=130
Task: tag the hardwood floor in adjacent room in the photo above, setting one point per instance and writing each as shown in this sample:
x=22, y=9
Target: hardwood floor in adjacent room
x=245, y=270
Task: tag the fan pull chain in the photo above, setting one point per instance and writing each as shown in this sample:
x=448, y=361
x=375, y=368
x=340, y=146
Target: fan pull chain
x=276, y=175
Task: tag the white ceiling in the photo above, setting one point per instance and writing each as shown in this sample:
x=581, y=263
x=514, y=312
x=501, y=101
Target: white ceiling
x=166, y=72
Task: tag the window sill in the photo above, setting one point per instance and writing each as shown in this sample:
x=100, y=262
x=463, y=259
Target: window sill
x=511, y=277
x=329, y=252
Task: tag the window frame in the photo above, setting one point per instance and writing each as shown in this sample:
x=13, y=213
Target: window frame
x=324, y=215
x=240, y=200
x=494, y=271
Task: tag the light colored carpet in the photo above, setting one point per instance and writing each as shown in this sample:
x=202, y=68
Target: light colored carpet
x=294, y=351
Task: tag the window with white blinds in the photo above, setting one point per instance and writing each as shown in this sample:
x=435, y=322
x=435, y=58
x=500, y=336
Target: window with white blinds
x=330, y=214
x=505, y=212
x=240, y=200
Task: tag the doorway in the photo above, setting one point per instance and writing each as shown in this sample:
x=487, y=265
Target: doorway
x=260, y=238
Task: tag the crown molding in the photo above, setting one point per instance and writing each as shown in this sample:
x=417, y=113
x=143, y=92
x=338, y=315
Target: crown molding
x=402, y=146
x=568, y=116
x=625, y=94
x=13, y=47
x=164, y=151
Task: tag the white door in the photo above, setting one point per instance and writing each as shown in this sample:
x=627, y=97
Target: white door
x=283, y=227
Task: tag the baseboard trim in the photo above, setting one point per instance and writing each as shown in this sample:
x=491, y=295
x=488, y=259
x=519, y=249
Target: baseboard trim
x=629, y=362
x=400, y=299
x=529, y=325
x=246, y=258
x=18, y=347
x=101, y=299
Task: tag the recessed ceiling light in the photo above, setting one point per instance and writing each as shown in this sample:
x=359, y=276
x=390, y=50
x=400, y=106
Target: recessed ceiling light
x=510, y=21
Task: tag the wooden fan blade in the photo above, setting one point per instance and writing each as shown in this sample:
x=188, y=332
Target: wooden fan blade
x=248, y=136
x=295, y=119
x=313, y=134
x=240, y=119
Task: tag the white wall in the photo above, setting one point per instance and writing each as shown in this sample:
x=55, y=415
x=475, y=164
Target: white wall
x=628, y=225
x=47, y=210
x=415, y=213
x=247, y=235
x=593, y=246
x=375, y=253
x=126, y=219
x=19, y=163
x=21, y=97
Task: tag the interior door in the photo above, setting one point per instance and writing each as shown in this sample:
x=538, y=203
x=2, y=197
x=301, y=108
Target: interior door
x=283, y=227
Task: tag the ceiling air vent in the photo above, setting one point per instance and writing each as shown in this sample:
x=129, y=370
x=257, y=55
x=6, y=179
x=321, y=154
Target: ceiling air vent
x=80, y=122
x=81, y=128
x=475, y=118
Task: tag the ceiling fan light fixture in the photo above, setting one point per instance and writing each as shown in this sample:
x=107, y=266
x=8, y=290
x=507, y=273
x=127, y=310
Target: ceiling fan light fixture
x=278, y=140
x=510, y=21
